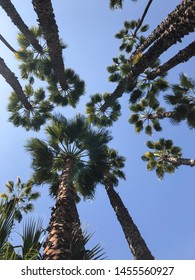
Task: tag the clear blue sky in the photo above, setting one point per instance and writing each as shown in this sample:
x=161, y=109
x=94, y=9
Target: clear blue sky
x=164, y=211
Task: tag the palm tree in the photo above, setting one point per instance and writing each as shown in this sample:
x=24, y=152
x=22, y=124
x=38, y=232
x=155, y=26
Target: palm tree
x=49, y=27
x=165, y=24
x=71, y=150
x=117, y=4
x=31, y=237
x=40, y=111
x=165, y=157
x=172, y=35
x=12, y=80
x=111, y=178
x=17, y=20
x=21, y=195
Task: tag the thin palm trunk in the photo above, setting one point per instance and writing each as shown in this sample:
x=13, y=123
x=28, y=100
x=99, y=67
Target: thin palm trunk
x=134, y=239
x=7, y=44
x=49, y=27
x=12, y=80
x=17, y=20
x=181, y=57
x=179, y=161
x=64, y=218
x=142, y=18
x=182, y=25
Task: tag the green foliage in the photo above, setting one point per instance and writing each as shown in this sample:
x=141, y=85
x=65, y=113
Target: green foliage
x=21, y=195
x=183, y=101
x=74, y=138
x=156, y=159
x=97, y=116
x=30, y=119
x=76, y=88
x=143, y=113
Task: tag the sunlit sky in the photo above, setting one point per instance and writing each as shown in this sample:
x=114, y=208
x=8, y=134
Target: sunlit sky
x=164, y=211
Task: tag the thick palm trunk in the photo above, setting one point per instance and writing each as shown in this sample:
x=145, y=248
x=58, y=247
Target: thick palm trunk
x=134, y=239
x=165, y=24
x=179, y=161
x=64, y=218
x=12, y=80
x=17, y=20
x=181, y=24
x=47, y=21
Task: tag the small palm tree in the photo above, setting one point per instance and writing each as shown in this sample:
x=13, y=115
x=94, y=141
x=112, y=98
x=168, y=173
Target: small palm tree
x=31, y=237
x=21, y=196
x=72, y=149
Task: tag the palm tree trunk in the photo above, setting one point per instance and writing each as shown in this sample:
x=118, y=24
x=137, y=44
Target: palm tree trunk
x=181, y=24
x=47, y=21
x=12, y=80
x=134, y=239
x=64, y=218
x=161, y=115
x=181, y=57
x=17, y=20
x=179, y=161
x=160, y=29
x=7, y=44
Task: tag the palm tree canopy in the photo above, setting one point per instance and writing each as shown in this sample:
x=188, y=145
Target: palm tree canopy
x=67, y=138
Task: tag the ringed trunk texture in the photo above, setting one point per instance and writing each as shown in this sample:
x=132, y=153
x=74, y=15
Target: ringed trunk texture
x=47, y=22
x=17, y=20
x=181, y=57
x=181, y=25
x=64, y=218
x=12, y=80
x=134, y=239
x=180, y=161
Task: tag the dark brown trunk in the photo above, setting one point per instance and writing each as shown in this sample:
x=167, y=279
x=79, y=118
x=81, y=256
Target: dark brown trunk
x=181, y=57
x=47, y=21
x=12, y=80
x=134, y=239
x=7, y=44
x=182, y=24
x=64, y=218
x=179, y=161
x=17, y=20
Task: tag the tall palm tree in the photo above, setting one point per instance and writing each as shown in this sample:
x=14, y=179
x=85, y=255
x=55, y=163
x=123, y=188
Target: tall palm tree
x=71, y=150
x=184, y=18
x=49, y=27
x=165, y=24
x=12, y=80
x=111, y=178
x=17, y=20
